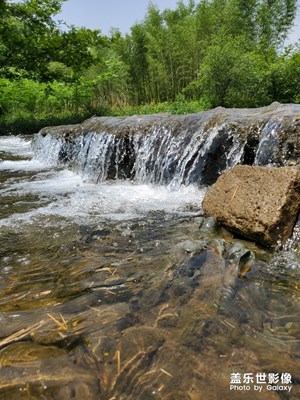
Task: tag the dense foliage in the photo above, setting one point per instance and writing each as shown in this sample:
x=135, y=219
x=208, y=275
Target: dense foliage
x=200, y=55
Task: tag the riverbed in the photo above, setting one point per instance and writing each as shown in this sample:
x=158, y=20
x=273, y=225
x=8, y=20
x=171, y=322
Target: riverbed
x=123, y=290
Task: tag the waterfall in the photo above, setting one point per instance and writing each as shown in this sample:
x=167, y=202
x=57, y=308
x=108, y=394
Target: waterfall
x=173, y=150
x=157, y=157
x=47, y=149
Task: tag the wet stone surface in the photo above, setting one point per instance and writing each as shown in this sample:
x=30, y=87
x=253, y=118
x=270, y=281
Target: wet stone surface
x=261, y=203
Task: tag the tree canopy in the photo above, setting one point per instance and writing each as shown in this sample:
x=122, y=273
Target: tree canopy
x=205, y=54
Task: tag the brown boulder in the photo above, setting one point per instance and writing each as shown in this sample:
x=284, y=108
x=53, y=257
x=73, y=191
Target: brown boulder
x=261, y=203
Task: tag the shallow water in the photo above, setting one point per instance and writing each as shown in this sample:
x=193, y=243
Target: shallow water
x=124, y=291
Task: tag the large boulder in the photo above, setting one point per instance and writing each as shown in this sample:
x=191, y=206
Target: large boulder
x=261, y=203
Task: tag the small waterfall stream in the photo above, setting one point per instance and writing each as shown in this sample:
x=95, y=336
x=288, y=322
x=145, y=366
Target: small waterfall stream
x=114, y=285
x=157, y=157
x=179, y=150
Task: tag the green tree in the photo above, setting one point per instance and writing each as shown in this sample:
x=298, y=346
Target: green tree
x=30, y=41
x=232, y=76
x=25, y=33
x=286, y=77
x=205, y=53
x=134, y=53
x=74, y=48
x=274, y=20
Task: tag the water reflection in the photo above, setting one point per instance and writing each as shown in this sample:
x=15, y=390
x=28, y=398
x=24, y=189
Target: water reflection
x=161, y=306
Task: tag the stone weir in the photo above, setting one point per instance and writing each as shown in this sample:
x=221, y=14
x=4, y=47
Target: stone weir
x=174, y=150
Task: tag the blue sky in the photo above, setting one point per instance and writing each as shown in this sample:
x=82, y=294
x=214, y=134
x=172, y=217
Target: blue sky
x=122, y=14
x=105, y=14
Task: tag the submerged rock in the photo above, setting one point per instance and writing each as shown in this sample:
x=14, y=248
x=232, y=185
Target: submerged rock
x=261, y=203
x=191, y=246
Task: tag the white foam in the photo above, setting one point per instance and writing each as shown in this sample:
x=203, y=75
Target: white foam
x=16, y=145
x=72, y=198
x=22, y=165
x=122, y=200
x=50, y=183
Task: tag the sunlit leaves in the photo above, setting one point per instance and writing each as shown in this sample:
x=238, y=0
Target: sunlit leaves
x=201, y=54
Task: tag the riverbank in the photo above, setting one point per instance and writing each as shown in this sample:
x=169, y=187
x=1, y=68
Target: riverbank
x=30, y=123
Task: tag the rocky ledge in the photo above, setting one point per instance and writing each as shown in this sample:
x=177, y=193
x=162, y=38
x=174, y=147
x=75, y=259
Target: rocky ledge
x=260, y=203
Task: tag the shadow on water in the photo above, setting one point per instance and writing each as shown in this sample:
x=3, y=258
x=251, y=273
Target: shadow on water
x=164, y=305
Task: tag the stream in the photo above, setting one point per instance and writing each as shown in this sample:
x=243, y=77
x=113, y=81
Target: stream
x=121, y=290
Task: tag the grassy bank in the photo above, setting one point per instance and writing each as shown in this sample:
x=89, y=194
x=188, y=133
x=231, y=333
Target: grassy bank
x=29, y=123
x=27, y=126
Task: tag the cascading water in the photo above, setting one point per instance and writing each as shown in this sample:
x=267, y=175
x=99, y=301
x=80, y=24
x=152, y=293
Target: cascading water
x=158, y=157
x=176, y=151
x=114, y=286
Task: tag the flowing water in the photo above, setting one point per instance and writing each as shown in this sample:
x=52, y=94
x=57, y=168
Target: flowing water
x=121, y=289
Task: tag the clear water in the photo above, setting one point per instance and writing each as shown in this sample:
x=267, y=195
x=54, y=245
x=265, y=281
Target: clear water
x=121, y=290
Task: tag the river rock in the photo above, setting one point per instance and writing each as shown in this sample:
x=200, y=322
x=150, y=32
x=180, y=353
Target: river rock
x=261, y=203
